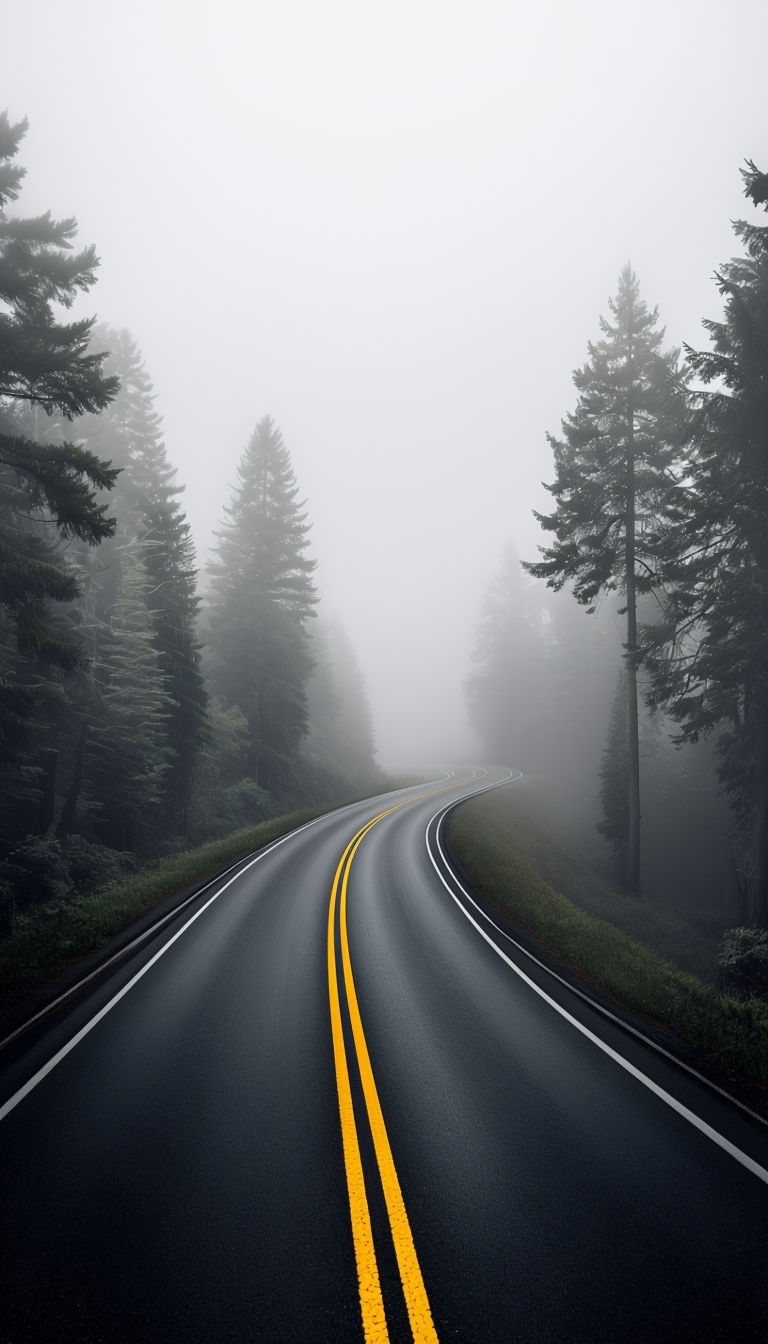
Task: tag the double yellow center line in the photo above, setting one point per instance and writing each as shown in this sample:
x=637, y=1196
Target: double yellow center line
x=371, y=1299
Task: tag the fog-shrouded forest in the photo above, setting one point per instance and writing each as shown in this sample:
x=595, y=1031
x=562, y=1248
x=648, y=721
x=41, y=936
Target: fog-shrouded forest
x=137, y=715
x=196, y=635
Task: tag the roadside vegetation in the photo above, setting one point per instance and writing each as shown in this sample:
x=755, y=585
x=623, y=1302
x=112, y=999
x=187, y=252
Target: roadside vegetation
x=140, y=719
x=62, y=934
x=581, y=922
x=49, y=939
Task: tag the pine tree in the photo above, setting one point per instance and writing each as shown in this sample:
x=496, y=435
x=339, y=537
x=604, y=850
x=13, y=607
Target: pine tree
x=223, y=798
x=614, y=799
x=508, y=655
x=261, y=597
x=47, y=491
x=126, y=752
x=147, y=504
x=614, y=467
x=340, y=741
x=709, y=657
x=152, y=536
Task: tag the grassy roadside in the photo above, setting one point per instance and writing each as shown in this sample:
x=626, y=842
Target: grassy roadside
x=501, y=852
x=46, y=942
x=59, y=940
x=55, y=940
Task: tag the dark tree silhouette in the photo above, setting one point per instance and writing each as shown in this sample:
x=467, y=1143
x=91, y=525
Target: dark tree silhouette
x=47, y=491
x=150, y=519
x=509, y=665
x=613, y=468
x=709, y=657
x=262, y=596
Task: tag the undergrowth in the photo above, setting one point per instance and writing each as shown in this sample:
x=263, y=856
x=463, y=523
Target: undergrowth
x=49, y=938
x=500, y=850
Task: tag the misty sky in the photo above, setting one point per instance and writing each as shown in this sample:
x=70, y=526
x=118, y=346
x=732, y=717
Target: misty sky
x=392, y=227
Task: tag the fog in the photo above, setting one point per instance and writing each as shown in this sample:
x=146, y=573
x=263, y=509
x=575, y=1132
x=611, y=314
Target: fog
x=393, y=228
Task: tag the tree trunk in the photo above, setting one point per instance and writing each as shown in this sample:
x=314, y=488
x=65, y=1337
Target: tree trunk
x=48, y=798
x=757, y=886
x=632, y=877
x=633, y=769
x=67, y=819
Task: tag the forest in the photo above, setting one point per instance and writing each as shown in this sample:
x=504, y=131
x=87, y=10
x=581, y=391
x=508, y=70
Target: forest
x=147, y=707
x=142, y=711
x=660, y=530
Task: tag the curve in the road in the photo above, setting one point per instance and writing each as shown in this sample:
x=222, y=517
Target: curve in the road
x=371, y=1296
x=495, y=936
x=182, y=1175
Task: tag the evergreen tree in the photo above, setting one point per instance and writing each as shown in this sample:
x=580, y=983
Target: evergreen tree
x=340, y=740
x=501, y=693
x=262, y=596
x=223, y=799
x=47, y=491
x=126, y=753
x=614, y=770
x=614, y=466
x=152, y=539
x=147, y=505
x=709, y=657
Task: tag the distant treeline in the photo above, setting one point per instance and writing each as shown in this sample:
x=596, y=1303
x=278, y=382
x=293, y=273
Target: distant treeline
x=136, y=717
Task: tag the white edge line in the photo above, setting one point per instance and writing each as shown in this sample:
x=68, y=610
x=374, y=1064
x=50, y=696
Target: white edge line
x=242, y=867
x=122, y=952
x=61, y=1054
x=690, y=1116
x=597, y=1007
x=155, y=927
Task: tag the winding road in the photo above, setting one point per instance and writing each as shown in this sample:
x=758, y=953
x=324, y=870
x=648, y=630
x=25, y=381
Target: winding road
x=330, y=1101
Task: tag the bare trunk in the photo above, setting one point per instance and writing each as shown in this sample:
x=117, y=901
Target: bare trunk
x=68, y=812
x=48, y=794
x=633, y=782
x=632, y=876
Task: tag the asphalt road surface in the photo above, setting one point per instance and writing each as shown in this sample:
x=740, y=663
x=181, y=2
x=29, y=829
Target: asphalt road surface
x=329, y=1101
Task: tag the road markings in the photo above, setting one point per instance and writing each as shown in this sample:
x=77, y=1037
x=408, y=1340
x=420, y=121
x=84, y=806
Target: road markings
x=693, y=1119
x=371, y=1299
x=61, y=1054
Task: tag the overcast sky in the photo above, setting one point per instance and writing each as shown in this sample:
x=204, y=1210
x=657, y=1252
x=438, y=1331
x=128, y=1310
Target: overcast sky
x=392, y=226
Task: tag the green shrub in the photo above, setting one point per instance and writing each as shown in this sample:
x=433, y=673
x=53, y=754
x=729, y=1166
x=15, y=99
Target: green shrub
x=743, y=963
x=501, y=853
x=92, y=866
x=35, y=873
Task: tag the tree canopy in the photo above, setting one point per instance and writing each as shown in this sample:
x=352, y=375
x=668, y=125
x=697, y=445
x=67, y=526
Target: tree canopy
x=48, y=491
x=153, y=536
x=508, y=659
x=613, y=469
x=262, y=596
x=709, y=655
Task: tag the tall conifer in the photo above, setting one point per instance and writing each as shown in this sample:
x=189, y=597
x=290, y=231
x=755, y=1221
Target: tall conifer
x=127, y=756
x=261, y=597
x=508, y=657
x=340, y=741
x=47, y=491
x=147, y=503
x=613, y=468
x=710, y=655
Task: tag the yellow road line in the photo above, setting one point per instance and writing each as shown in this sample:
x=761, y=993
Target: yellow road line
x=371, y=1300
